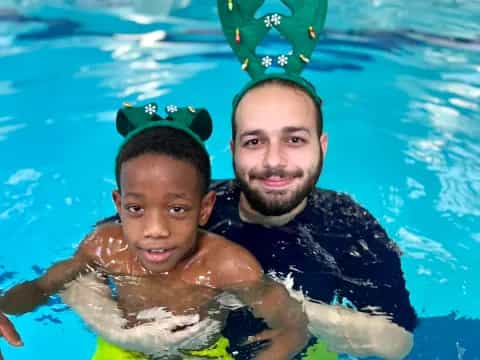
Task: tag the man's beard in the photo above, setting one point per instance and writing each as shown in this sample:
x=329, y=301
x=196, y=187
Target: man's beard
x=276, y=205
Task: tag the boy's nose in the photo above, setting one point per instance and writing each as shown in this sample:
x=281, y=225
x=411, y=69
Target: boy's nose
x=156, y=227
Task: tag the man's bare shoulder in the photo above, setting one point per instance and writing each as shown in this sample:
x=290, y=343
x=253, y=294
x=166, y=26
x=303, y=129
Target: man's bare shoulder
x=230, y=263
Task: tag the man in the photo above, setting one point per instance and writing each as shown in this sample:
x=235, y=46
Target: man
x=336, y=252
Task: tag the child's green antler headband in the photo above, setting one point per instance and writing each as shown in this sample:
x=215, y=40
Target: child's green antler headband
x=245, y=33
x=132, y=120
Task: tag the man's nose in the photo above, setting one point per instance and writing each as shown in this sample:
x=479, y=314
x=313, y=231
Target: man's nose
x=274, y=156
x=156, y=226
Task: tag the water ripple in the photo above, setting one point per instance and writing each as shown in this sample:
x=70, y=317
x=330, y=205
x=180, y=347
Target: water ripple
x=421, y=247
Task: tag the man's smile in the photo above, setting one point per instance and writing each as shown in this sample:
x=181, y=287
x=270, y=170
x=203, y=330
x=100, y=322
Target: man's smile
x=276, y=182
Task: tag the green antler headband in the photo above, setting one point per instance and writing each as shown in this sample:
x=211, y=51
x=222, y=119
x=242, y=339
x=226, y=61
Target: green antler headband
x=131, y=120
x=245, y=33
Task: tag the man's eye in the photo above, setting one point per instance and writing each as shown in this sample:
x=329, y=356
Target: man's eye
x=252, y=142
x=134, y=209
x=296, y=140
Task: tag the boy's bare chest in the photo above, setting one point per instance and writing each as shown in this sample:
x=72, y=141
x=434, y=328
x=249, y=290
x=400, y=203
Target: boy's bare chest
x=139, y=293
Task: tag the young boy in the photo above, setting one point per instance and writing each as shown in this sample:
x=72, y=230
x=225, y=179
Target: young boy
x=157, y=256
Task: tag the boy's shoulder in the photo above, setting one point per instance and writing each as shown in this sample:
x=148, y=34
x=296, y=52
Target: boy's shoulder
x=230, y=263
x=104, y=244
x=109, y=229
x=103, y=235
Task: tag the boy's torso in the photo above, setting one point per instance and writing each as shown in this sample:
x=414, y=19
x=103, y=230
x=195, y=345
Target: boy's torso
x=189, y=288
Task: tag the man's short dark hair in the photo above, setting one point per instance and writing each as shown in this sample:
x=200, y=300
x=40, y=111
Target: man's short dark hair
x=163, y=140
x=288, y=84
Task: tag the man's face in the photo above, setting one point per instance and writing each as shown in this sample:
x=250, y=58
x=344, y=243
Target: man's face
x=277, y=151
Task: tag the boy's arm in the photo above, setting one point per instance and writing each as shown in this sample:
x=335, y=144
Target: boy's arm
x=28, y=295
x=288, y=331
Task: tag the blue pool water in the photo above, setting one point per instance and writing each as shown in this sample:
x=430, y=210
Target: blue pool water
x=401, y=87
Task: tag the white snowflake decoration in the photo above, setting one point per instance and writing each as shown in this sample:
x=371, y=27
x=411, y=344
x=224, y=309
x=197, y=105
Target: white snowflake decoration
x=172, y=108
x=282, y=60
x=150, y=109
x=267, y=21
x=275, y=19
x=266, y=61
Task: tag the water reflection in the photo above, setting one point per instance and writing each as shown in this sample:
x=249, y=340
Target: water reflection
x=451, y=156
x=5, y=130
x=18, y=192
x=421, y=247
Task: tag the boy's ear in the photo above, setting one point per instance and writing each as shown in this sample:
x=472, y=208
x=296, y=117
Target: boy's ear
x=117, y=199
x=208, y=202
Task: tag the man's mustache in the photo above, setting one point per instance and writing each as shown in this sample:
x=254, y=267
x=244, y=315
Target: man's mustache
x=278, y=172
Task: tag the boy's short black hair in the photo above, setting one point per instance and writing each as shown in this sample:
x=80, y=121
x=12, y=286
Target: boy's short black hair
x=164, y=140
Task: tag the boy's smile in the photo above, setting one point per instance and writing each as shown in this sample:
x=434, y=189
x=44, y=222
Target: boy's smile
x=156, y=255
x=161, y=206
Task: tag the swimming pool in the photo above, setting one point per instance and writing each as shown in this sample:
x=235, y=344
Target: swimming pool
x=401, y=88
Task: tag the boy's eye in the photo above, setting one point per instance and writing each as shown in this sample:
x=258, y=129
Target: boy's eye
x=177, y=210
x=134, y=209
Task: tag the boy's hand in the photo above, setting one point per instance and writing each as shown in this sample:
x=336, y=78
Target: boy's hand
x=7, y=330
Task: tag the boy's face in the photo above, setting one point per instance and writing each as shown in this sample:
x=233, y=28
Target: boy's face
x=161, y=207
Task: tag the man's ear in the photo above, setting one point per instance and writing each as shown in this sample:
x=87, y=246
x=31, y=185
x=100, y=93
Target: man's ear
x=207, y=205
x=117, y=200
x=232, y=146
x=324, y=144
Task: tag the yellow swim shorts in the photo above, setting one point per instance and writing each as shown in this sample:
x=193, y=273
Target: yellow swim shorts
x=318, y=351
x=108, y=351
x=218, y=351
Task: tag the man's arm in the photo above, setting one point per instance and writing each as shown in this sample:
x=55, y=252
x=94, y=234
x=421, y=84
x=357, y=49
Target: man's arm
x=372, y=283
x=357, y=333
x=288, y=332
x=384, y=323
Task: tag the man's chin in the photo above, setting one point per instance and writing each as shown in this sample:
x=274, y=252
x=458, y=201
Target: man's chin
x=272, y=202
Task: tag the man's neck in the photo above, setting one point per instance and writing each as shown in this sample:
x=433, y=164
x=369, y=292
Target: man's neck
x=250, y=215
